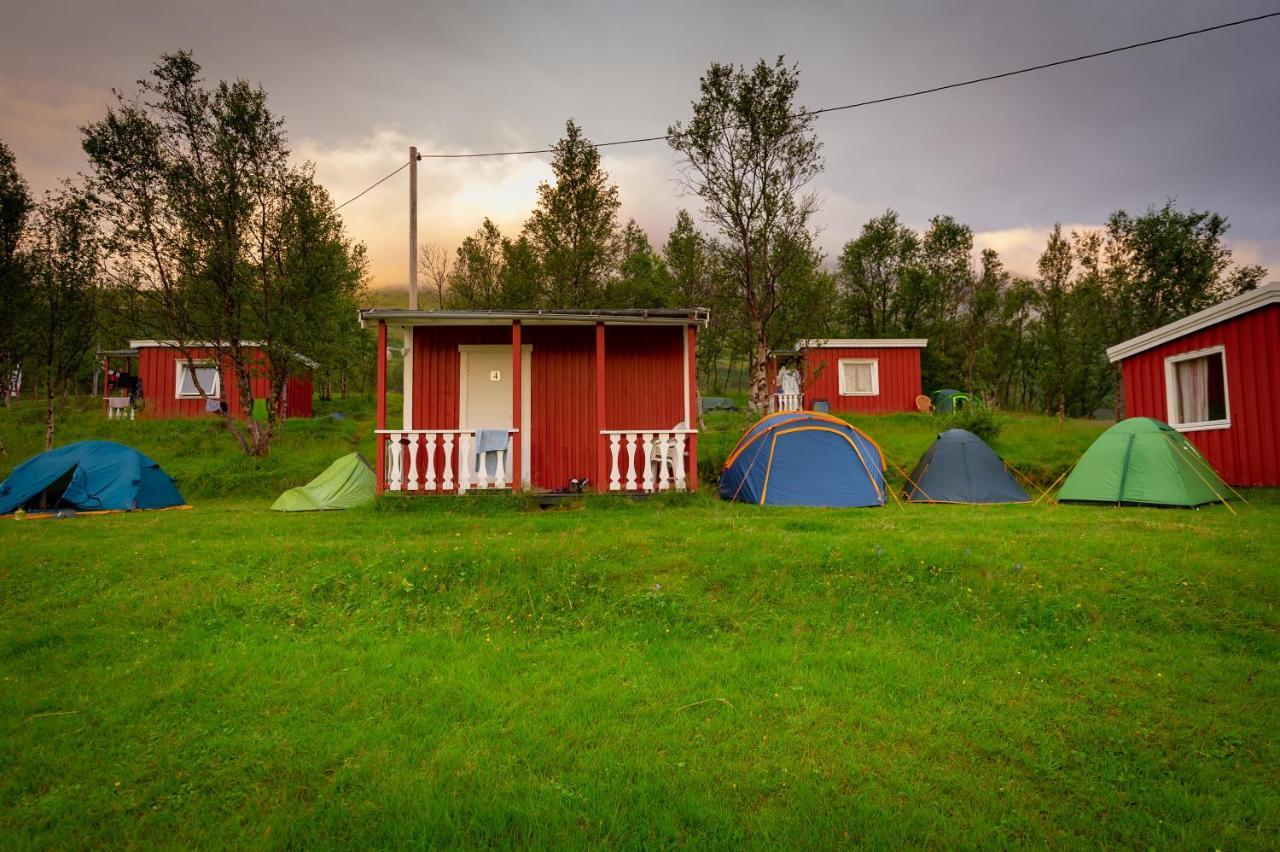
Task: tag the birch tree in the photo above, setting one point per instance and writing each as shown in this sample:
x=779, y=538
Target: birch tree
x=749, y=152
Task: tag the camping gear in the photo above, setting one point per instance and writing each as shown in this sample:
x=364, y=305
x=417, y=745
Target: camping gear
x=923, y=403
x=959, y=467
x=804, y=458
x=821, y=406
x=88, y=476
x=717, y=403
x=950, y=400
x=346, y=483
x=1143, y=461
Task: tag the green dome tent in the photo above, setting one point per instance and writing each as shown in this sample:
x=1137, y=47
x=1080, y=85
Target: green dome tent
x=346, y=483
x=1144, y=462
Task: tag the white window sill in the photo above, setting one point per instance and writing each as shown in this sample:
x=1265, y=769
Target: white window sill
x=1202, y=427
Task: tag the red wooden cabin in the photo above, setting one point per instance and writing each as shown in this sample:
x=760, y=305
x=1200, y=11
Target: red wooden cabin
x=609, y=397
x=169, y=390
x=864, y=376
x=1215, y=376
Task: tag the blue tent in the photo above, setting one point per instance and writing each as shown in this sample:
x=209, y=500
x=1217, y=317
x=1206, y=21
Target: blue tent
x=804, y=458
x=959, y=467
x=88, y=476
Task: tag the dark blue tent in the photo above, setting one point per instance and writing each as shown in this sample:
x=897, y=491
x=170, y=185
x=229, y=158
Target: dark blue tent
x=959, y=467
x=803, y=458
x=88, y=476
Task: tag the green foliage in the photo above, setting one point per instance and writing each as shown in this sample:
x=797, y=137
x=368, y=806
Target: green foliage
x=978, y=419
x=573, y=227
x=15, y=207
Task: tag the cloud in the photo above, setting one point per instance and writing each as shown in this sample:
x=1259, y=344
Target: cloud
x=1020, y=248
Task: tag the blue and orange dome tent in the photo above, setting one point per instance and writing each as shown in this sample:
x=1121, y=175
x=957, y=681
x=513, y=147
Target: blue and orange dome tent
x=804, y=458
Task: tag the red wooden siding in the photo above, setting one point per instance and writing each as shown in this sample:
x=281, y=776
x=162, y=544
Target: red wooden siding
x=1248, y=452
x=158, y=369
x=899, y=372
x=563, y=431
x=644, y=384
x=644, y=377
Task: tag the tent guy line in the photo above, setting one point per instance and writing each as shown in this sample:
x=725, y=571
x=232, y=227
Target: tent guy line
x=871, y=102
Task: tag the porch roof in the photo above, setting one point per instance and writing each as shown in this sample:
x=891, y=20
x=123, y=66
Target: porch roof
x=631, y=316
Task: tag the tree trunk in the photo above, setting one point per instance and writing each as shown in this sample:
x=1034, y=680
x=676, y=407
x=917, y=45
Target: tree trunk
x=759, y=399
x=1062, y=405
x=1117, y=379
x=48, y=413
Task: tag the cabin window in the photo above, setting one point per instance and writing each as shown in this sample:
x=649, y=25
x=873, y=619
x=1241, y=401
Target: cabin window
x=859, y=377
x=209, y=378
x=1196, y=386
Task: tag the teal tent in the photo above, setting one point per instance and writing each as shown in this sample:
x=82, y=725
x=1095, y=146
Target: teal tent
x=346, y=483
x=959, y=467
x=88, y=476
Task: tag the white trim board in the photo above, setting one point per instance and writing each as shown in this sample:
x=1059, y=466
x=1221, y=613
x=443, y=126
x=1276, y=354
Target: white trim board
x=863, y=343
x=1171, y=390
x=526, y=395
x=1267, y=294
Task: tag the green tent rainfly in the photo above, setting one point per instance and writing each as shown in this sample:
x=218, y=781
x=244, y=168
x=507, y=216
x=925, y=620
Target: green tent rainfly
x=346, y=483
x=1143, y=461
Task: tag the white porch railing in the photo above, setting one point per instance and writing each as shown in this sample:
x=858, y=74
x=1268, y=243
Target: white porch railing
x=441, y=461
x=647, y=460
x=120, y=408
x=786, y=402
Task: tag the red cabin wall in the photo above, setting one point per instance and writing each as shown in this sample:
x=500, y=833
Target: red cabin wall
x=644, y=384
x=899, y=379
x=1248, y=452
x=158, y=369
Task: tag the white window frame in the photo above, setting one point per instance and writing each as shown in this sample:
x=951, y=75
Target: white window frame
x=213, y=393
x=1171, y=390
x=874, y=363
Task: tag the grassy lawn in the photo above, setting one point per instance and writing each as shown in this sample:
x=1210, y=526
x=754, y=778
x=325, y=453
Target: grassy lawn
x=635, y=673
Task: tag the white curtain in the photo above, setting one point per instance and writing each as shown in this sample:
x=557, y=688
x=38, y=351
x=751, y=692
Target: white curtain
x=1193, y=390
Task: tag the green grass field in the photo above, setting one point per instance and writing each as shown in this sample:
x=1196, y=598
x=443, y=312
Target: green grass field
x=632, y=673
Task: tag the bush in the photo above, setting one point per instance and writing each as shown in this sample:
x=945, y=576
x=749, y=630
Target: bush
x=981, y=421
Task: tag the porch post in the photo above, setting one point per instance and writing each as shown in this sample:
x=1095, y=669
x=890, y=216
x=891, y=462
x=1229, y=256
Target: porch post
x=381, y=441
x=517, y=438
x=602, y=473
x=693, y=406
x=106, y=368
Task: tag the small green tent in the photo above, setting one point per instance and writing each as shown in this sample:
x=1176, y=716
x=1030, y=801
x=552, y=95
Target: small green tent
x=346, y=483
x=1143, y=461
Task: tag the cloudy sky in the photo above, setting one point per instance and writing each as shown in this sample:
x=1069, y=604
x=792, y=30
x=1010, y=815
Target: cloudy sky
x=359, y=82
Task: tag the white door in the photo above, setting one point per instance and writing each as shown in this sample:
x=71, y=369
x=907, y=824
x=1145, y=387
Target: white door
x=484, y=401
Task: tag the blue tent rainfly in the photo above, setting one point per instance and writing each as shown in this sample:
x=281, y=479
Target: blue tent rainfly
x=804, y=458
x=88, y=476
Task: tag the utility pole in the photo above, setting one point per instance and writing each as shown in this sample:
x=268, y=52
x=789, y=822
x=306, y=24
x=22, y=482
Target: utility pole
x=413, y=227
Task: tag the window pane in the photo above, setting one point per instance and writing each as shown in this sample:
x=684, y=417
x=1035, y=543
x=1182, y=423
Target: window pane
x=1200, y=390
x=208, y=380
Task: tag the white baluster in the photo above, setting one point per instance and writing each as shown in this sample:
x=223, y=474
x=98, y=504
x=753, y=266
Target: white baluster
x=631, y=461
x=679, y=462
x=647, y=442
x=447, y=484
x=614, y=475
x=393, y=474
x=430, y=483
x=664, y=455
x=508, y=480
x=413, y=462
x=465, y=462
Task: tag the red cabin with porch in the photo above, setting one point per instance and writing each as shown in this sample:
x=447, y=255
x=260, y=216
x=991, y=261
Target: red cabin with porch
x=1214, y=376
x=170, y=390
x=863, y=376
x=544, y=400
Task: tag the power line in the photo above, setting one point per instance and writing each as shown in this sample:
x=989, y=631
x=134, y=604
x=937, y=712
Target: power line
x=903, y=96
x=402, y=167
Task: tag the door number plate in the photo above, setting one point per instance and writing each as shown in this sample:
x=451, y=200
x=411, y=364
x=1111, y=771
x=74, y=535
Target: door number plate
x=495, y=375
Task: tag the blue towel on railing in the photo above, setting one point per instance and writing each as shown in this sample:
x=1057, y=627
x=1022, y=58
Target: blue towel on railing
x=488, y=442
